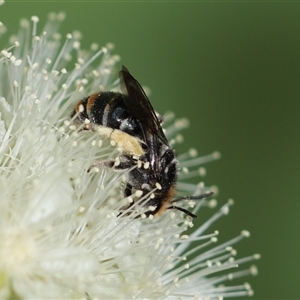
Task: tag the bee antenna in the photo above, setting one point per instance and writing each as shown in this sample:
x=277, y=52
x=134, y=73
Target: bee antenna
x=183, y=210
x=207, y=194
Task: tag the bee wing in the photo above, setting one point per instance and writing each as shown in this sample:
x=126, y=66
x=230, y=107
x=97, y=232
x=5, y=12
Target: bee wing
x=140, y=108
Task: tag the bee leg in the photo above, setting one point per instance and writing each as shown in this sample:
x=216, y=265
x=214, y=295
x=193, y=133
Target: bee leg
x=126, y=163
x=183, y=210
x=101, y=164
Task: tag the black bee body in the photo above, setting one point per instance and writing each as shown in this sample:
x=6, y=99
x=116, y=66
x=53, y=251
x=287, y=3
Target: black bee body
x=130, y=120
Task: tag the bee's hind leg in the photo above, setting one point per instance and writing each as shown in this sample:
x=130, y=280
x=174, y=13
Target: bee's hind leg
x=125, y=163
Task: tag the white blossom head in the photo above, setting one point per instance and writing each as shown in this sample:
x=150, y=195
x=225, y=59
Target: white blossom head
x=61, y=232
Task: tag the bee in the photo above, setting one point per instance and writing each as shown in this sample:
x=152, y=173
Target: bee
x=129, y=119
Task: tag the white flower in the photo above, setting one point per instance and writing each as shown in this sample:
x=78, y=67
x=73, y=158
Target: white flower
x=60, y=233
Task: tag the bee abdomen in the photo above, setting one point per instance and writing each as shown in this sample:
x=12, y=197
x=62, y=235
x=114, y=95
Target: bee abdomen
x=108, y=109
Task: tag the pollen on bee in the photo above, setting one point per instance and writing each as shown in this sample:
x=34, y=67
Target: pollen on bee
x=146, y=165
x=152, y=196
x=139, y=164
x=87, y=121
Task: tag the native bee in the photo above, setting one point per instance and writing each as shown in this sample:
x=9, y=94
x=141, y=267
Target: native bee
x=129, y=119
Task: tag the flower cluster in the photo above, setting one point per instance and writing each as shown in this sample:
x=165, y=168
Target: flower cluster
x=60, y=229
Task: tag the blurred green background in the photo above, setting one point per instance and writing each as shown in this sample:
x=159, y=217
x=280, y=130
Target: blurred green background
x=234, y=70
